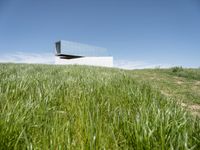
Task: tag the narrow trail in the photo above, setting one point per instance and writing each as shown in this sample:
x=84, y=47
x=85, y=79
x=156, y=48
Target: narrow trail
x=194, y=109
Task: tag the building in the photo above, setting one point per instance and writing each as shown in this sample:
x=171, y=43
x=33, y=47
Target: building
x=82, y=54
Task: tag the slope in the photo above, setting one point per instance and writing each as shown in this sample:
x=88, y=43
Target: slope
x=79, y=107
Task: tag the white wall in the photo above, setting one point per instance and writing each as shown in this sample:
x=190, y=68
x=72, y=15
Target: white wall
x=93, y=61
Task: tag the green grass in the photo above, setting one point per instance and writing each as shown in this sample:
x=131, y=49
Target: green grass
x=182, y=85
x=79, y=107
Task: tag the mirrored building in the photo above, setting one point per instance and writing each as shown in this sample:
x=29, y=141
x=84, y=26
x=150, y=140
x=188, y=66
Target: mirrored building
x=76, y=53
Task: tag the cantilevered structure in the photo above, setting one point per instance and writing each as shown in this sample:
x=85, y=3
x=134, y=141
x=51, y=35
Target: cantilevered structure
x=76, y=53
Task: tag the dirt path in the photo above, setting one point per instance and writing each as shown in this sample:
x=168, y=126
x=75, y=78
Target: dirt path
x=186, y=92
x=194, y=109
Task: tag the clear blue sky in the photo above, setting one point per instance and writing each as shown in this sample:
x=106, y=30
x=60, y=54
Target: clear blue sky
x=150, y=31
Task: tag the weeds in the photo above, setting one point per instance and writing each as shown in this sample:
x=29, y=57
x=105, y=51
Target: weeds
x=193, y=74
x=177, y=69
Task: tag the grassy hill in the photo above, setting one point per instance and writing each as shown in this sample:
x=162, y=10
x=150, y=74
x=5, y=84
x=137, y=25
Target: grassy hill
x=79, y=107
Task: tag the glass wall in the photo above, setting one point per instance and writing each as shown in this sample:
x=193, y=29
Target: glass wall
x=58, y=47
x=78, y=49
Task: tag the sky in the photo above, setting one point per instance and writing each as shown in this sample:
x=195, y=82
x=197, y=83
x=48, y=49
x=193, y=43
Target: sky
x=137, y=33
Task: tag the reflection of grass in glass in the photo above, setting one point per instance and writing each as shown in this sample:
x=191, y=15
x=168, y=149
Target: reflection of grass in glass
x=78, y=107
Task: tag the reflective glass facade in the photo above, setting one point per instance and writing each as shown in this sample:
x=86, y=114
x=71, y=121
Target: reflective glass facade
x=78, y=49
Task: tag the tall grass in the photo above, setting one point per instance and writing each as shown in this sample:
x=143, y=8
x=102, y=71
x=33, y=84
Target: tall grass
x=78, y=107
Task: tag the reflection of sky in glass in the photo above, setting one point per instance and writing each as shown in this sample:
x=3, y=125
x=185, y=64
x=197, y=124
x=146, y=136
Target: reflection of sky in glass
x=73, y=48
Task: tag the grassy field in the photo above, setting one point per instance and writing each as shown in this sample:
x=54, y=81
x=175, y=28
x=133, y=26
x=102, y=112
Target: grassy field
x=79, y=107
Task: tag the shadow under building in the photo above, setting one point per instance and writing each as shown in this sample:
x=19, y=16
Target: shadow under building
x=82, y=54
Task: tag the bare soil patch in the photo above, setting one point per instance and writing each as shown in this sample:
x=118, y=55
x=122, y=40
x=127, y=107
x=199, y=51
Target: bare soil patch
x=193, y=108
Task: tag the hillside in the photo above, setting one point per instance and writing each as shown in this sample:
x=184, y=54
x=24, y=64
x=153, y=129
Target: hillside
x=180, y=84
x=79, y=107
